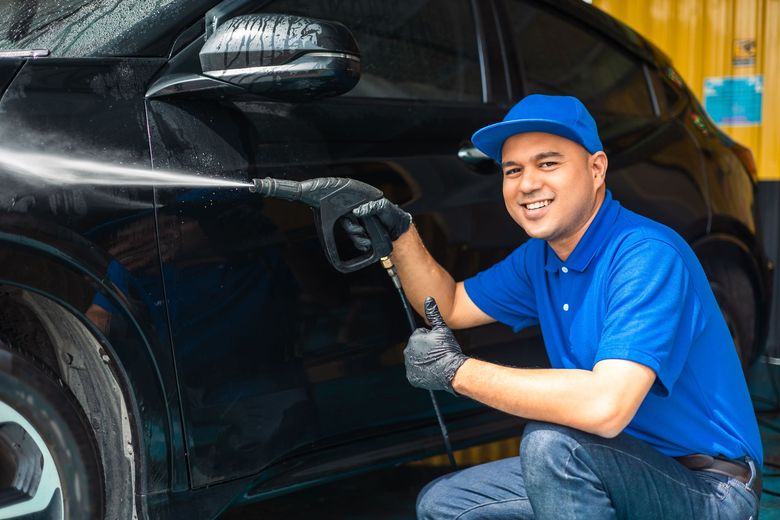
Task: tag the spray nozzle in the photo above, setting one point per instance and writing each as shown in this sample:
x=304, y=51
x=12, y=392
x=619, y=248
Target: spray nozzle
x=276, y=188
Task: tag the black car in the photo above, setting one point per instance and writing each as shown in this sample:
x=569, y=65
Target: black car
x=167, y=351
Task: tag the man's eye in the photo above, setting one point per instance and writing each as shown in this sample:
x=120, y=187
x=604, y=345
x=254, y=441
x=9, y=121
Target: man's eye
x=512, y=171
x=548, y=164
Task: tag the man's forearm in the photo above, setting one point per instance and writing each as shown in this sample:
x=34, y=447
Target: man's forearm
x=571, y=397
x=421, y=275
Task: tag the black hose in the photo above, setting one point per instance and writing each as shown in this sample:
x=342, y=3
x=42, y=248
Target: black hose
x=390, y=268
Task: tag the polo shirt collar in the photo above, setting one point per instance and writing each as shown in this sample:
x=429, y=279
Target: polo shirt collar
x=590, y=242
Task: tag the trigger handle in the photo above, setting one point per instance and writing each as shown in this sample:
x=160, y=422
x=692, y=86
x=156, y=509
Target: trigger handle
x=381, y=245
x=380, y=240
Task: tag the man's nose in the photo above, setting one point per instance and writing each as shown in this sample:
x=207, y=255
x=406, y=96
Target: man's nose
x=531, y=181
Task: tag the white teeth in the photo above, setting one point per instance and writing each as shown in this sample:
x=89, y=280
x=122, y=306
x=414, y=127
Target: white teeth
x=537, y=205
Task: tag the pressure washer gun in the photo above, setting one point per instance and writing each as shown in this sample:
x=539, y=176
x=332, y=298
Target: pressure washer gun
x=332, y=198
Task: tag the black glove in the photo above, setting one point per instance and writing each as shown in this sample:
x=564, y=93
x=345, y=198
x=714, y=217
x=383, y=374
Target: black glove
x=433, y=356
x=395, y=220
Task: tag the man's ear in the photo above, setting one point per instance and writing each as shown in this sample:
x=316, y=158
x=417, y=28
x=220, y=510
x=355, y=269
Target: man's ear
x=597, y=165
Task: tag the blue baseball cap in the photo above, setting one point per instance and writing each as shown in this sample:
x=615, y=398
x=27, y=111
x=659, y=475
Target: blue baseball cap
x=565, y=116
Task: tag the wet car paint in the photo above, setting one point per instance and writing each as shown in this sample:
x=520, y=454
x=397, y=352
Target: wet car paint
x=62, y=241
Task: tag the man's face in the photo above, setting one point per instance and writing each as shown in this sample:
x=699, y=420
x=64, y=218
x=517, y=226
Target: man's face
x=552, y=187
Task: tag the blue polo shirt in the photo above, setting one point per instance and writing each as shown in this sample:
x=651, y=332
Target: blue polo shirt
x=633, y=289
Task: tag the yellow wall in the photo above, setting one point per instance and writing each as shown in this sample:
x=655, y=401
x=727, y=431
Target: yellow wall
x=698, y=35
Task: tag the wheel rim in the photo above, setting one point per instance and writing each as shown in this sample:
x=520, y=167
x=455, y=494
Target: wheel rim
x=30, y=485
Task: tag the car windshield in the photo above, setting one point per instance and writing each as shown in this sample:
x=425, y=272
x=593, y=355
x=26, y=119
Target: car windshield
x=77, y=28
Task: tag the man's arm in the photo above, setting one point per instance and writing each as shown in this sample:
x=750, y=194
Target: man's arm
x=601, y=401
x=420, y=274
x=423, y=276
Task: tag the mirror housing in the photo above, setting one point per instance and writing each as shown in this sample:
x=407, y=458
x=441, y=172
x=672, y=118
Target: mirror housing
x=282, y=56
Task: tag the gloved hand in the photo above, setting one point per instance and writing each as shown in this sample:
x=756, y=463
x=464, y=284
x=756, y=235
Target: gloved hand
x=395, y=220
x=433, y=356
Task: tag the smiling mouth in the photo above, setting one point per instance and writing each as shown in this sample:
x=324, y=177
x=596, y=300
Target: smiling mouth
x=538, y=204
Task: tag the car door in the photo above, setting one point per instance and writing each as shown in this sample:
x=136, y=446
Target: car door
x=277, y=353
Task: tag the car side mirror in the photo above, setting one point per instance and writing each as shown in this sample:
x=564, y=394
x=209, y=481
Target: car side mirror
x=282, y=56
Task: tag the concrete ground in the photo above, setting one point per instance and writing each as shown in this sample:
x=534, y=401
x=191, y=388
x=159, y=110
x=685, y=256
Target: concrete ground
x=390, y=494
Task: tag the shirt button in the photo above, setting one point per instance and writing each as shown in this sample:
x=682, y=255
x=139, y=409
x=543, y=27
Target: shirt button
x=565, y=306
x=564, y=269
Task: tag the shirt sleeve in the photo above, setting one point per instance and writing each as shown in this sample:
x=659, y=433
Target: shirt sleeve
x=504, y=291
x=653, y=311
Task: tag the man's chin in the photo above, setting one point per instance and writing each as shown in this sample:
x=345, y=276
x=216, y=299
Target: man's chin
x=537, y=232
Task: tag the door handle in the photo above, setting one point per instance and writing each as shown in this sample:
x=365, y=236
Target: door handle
x=477, y=161
x=469, y=154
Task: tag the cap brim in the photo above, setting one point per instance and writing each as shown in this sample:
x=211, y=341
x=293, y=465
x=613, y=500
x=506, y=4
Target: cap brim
x=490, y=140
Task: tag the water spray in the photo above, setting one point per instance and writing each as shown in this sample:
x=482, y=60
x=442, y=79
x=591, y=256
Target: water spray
x=59, y=170
x=333, y=198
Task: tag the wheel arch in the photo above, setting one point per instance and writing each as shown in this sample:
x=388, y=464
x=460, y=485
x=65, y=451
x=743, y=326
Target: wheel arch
x=742, y=250
x=116, y=375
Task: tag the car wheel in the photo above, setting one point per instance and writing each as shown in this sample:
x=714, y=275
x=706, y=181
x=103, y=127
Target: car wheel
x=49, y=463
x=736, y=297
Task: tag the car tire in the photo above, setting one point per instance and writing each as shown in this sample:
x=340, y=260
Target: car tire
x=49, y=462
x=736, y=297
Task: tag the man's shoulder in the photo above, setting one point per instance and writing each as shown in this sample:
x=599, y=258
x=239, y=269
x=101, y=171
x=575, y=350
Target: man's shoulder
x=632, y=229
x=635, y=234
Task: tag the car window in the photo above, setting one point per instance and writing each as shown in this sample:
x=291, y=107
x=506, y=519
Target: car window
x=79, y=28
x=561, y=57
x=669, y=89
x=413, y=49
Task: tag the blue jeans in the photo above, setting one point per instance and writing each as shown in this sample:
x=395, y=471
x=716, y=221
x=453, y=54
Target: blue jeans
x=563, y=473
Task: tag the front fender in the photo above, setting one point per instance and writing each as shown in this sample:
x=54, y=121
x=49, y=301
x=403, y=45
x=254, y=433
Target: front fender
x=141, y=359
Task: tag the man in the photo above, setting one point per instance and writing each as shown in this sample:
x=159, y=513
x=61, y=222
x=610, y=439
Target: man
x=645, y=413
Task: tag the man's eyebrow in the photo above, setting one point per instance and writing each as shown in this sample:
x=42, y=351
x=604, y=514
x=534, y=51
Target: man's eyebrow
x=508, y=163
x=545, y=155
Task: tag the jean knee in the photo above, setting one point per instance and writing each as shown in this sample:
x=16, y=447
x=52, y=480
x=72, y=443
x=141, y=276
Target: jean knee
x=431, y=498
x=546, y=444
